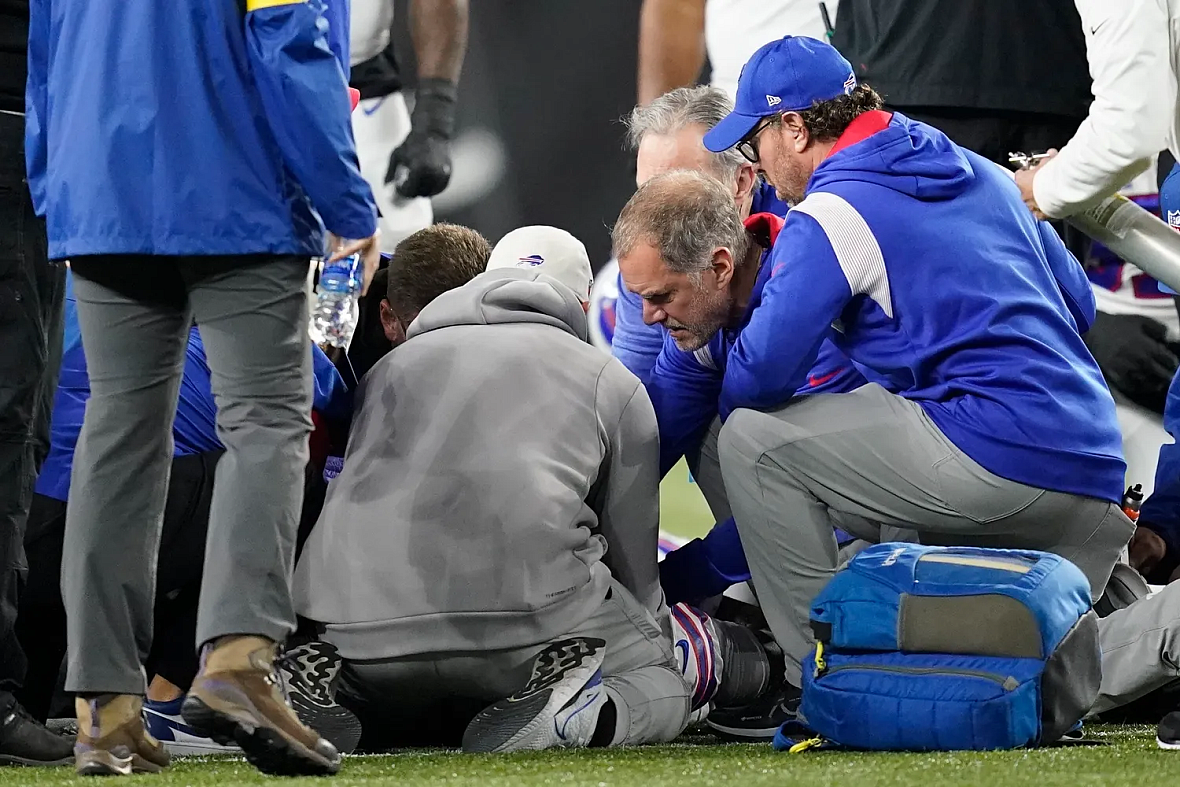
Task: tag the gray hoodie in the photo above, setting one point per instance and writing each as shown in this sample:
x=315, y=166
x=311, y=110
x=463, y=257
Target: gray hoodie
x=494, y=457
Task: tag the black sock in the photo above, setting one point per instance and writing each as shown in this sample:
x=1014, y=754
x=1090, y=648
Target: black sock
x=608, y=719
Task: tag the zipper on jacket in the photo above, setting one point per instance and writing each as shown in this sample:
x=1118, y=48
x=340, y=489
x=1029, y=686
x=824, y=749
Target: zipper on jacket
x=1007, y=683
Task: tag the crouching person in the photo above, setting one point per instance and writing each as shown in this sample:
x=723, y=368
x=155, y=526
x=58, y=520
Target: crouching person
x=485, y=563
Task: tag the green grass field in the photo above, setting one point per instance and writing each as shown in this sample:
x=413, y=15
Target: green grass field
x=1129, y=758
x=682, y=508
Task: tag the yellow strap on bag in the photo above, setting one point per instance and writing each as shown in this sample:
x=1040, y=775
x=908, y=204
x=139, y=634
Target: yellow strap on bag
x=803, y=746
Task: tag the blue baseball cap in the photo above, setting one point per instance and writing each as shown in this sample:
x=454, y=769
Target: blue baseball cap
x=788, y=75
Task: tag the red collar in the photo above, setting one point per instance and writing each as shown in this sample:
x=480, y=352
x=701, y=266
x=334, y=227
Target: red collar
x=764, y=227
x=865, y=126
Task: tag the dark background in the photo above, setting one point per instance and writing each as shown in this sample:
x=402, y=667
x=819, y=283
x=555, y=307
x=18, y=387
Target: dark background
x=544, y=85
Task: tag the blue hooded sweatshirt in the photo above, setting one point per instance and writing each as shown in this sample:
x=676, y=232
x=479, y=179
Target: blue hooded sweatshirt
x=684, y=386
x=939, y=282
x=978, y=323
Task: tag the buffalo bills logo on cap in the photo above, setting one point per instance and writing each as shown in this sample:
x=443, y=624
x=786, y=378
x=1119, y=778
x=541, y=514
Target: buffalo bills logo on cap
x=531, y=261
x=849, y=84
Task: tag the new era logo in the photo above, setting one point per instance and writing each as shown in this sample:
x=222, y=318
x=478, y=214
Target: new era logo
x=849, y=84
x=772, y=101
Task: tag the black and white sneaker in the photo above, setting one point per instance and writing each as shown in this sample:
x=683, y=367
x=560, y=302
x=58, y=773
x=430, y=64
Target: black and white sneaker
x=309, y=673
x=1167, y=735
x=557, y=708
x=759, y=720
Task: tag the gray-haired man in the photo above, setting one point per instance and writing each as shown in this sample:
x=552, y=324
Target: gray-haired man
x=666, y=134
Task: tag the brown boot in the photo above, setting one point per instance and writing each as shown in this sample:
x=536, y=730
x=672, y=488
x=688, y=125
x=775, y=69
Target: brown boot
x=236, y=699
x=112, y=740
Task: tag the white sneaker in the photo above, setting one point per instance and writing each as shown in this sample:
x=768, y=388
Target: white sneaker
x=164, y=723
x=557, y=709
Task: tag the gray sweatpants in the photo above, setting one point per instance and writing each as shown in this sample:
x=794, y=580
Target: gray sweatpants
x=868, y=458
x=253, y=323
x=1140, y=648
x=640, y=675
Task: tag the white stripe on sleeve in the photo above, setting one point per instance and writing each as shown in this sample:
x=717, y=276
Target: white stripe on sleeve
x=854, y=244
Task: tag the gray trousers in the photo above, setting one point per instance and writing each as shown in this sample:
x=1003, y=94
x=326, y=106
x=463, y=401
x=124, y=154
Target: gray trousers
x=865, y=459
x=1140, y=648
x=437, y=694
x=252, y=314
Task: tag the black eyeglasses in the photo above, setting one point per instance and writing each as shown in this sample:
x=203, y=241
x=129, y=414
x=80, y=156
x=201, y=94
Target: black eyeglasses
x=748, y=145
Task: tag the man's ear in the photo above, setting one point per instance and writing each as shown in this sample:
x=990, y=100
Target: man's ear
x=795, y=131
x=723, y=266
x=745, y=183
x=391, y=325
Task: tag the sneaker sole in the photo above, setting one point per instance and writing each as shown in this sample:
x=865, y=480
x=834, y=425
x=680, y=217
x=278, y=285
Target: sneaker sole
x=742, y=734
x=266, y=748
x=10, y=759
x=338, y=725
x=177, y=749
x=104, y=763
x=502, y=727
x=1168, y=745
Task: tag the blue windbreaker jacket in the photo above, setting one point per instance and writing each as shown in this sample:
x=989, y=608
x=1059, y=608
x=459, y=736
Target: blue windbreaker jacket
x=940, y=282
x=190, y=128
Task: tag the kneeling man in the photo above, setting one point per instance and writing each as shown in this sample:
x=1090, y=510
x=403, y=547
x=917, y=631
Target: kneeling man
x=485, y=563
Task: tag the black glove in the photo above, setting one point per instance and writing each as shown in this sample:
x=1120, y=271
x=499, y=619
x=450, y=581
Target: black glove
x=421, y=165
x=1133, y=354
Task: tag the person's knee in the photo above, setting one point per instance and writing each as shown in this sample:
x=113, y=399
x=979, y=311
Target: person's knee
x=737, y=443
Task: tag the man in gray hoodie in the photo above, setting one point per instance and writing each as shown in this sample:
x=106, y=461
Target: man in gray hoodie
x=461, y=565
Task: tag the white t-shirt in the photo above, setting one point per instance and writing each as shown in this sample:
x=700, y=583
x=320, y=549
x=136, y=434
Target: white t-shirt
x=734, y=29
x=370, y=25
x=1133, y=47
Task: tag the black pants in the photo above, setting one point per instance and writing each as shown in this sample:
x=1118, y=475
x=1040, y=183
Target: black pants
x=41, y=627
x=42, y=622
x=31, y=289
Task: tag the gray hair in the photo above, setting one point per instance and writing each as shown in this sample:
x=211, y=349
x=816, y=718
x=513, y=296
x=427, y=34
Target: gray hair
x=685, y=215
x=677, y=109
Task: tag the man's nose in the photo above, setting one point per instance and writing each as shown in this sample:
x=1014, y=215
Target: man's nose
x=652, y=314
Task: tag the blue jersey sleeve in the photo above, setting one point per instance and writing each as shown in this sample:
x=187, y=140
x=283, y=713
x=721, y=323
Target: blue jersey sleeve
x=636, y=344
x=331, y=396
x=305, y=95
x=683, y=388
x=806, y=292
x=705, y=567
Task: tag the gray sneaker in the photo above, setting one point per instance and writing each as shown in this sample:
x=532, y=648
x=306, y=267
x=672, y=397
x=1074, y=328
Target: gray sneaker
x=557, y=709
x=309, y=674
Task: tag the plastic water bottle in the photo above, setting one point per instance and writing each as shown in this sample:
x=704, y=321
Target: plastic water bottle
x=337, y=302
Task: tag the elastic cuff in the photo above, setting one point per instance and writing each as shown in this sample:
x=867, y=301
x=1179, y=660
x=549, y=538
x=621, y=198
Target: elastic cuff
x=435, y=103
